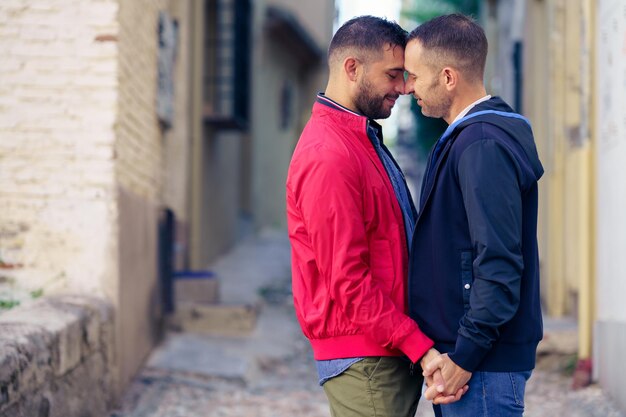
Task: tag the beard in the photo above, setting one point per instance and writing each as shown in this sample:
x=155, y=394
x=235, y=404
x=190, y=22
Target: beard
x=370, y=104
x=439, y=106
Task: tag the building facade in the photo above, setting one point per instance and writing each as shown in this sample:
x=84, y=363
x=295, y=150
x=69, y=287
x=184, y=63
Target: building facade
x=564, y=64
x=115, y=114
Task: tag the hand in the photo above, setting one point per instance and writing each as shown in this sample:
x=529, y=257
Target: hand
x=435, y=379
x=455, y=378
x=436, y=383
x=448, y=399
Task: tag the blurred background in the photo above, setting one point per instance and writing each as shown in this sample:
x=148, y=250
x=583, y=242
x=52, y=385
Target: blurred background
x=141, y=140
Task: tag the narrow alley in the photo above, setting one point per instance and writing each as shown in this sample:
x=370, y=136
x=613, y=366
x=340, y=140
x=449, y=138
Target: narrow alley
x=141, y=140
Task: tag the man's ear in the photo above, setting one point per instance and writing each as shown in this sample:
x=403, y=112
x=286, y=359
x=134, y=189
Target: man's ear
x=351, y=67
x=450, y=78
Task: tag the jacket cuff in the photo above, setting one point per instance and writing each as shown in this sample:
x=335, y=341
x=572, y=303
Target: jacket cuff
x=416, y=345
x=467, y=354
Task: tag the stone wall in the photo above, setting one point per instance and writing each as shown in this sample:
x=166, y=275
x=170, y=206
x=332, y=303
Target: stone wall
x=55, y=358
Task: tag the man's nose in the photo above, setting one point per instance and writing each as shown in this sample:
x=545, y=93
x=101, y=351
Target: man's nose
x=408, y=87
x=398, y=86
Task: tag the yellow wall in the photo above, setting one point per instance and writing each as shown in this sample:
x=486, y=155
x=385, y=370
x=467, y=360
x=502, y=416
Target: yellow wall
x=559, y=102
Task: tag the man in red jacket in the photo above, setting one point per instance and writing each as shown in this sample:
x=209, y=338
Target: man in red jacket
x=350, y=218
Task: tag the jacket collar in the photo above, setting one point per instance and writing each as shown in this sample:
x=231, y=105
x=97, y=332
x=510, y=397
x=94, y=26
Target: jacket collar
x=327, y=101
x=349, y=118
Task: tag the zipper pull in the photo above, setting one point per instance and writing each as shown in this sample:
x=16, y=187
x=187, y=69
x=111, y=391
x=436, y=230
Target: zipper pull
x=412, y=369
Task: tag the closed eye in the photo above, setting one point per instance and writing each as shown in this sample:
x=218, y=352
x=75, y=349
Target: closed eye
x=395, y=73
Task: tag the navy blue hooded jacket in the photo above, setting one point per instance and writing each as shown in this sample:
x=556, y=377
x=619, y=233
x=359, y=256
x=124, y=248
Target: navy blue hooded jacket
x=474, y=267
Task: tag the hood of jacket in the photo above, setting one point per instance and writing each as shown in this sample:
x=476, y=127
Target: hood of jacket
x=515, y=125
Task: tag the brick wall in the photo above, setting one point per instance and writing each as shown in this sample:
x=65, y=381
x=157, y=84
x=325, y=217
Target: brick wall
x=58, y=98
x=139, y=140
x=177, y=140
x=139, y=150
x=82, y=157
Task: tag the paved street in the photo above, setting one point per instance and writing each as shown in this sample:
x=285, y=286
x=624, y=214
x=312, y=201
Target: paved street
x=270, y=372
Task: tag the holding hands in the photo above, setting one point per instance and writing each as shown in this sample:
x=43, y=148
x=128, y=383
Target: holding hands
x=446, y=382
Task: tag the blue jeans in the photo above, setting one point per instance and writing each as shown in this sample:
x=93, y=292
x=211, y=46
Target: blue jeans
x=490, y=394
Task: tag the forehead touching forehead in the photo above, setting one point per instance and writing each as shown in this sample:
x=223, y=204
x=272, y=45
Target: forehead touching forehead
x=367, y=38
x=419, y=61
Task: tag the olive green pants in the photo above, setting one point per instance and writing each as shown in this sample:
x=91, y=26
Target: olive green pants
x=375, y=387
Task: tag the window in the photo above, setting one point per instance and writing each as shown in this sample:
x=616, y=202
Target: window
x=227, y=63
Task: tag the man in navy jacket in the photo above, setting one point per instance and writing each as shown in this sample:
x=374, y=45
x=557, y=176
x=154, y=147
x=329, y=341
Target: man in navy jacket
x=474, y=269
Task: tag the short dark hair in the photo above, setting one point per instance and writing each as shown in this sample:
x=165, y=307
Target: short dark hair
x=455, y=40
x=367, y=35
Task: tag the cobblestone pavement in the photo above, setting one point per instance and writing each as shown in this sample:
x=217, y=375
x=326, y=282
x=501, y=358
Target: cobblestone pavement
x=279, y=378
x=287, y=387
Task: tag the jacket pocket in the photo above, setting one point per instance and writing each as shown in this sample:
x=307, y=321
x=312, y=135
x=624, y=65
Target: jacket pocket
x=466, y=277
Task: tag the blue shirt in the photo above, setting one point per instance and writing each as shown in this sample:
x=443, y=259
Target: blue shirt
x=397, y=180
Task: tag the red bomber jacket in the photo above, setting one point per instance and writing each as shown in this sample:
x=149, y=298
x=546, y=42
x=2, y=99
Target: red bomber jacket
x=349, y=250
